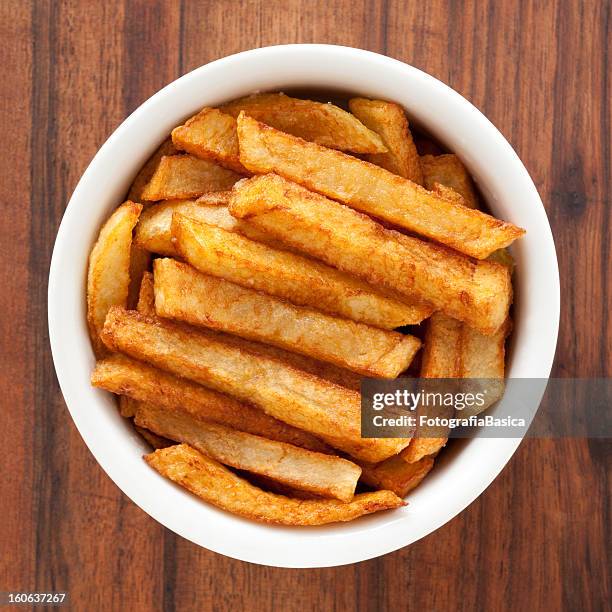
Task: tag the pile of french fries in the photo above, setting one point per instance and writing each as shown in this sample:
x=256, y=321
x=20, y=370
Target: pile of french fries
x=266, y=256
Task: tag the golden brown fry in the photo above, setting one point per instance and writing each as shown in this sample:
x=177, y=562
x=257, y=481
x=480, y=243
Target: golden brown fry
x=154, y=234
x=455, y=350
x=372, y=190
x=140, y=260
x=441, y=358
x=448, y=170
x=183, y=293
x=396, y=475
x=420, y=448
x=325, y=475
x=447, y=176
x=144, y=383
x=423, y=447
x=184, y=176
x=219, y=486
x=389, y=121
x=146, y=298
x=478, y=293
x=153, y=439
x=483, y=359
x=153, y=230
x=325, y=410
x=108, y=276
x=148, y=170
x=212, y=135
x=325, y=124
x=299, y=280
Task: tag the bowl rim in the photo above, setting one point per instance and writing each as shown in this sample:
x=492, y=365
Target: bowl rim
x=227, y=534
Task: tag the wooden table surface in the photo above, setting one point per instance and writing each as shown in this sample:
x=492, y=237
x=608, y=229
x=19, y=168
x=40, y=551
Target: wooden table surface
x=72, y=71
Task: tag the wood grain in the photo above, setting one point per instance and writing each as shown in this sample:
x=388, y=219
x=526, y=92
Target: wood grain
x=74, y=69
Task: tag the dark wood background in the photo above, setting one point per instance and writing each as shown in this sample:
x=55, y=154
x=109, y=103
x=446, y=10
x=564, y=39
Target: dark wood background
x=71, y=72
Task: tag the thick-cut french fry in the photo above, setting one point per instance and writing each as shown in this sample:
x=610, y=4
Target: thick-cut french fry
x=483, y=356
x=140, y=260
x=389, y=121
x=372, y=190
x=483, y=359
x=148, y=170
x=441, y=358
x=184, y=176
x=146, y=297
x=154, y=234
x=108, y=276
x=144, y=383
x=302, y=281
x=422, y=447
x=324, y=124
x=153, y=439
x=219, y=486
x=447, y=176
x=211, y=134
x=396, y=475
x=153, y=230
x=183, y=293
x=448, y=170
x=477, y=292
x=326, y=410
x=454, y=350
x=326, y=475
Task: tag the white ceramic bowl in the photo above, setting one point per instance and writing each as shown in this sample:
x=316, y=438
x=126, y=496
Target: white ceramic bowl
x=468, y=468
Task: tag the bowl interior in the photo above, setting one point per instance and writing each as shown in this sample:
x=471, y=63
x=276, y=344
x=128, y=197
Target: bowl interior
x=468, y=467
